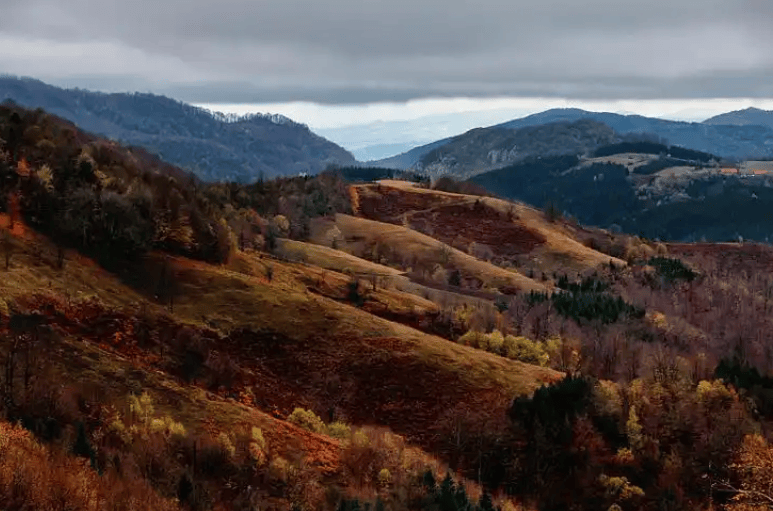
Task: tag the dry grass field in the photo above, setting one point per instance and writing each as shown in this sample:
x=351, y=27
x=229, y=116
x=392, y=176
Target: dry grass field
x=482, y=224
x=293, y=339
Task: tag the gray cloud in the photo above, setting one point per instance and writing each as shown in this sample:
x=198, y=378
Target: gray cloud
x=353, y=51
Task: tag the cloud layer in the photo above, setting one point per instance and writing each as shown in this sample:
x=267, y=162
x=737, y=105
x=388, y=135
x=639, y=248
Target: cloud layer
x=359, y=51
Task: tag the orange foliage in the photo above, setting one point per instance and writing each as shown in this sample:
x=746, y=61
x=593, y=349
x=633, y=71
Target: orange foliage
x=23, y=168
x=35, y=477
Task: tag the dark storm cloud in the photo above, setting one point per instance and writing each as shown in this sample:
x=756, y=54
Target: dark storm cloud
x=349, y=51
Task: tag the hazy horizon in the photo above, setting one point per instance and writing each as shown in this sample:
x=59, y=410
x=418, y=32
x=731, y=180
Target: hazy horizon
x=402, y=60
x=379, y=130
x=361, y=129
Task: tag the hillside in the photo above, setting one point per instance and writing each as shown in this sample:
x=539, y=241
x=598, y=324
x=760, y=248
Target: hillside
x=215, y=148
x=482, y=149
x=746, y=117
x=746, y=134
x=507, y=234
x=727, y=140
x=315, y=344
x=658, y=192
x=408, y=159
x=222, y=348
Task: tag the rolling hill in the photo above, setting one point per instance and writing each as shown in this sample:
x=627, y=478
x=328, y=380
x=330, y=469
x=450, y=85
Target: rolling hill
x=310, y=343
x=221, y=349
x=735, y=135
x=482, y=149
x=746, y=117
x=727, y=140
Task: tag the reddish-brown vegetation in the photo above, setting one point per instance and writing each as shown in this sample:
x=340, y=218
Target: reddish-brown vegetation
x=172, y=377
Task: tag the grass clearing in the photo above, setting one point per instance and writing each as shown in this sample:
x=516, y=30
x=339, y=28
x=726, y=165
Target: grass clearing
x=410, y=247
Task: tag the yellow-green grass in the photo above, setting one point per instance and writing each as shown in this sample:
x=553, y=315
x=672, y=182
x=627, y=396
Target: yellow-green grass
x=406, y=245
x=33, y=268
x=347, y=265
x=332, y=259
x=561, y=250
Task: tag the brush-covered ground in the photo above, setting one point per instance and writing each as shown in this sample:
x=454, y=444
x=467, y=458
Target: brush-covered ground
x=310, y=344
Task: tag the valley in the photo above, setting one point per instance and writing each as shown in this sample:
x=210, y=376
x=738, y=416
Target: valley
x=330, y=342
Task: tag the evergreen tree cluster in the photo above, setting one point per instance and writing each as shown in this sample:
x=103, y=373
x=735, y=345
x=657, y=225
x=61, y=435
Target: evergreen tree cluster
x=451, y=496
x=645, y=147
x=672, y=269
x=368, y=174
x=586, y=285
x=590, y=306
x=586, y=301
x=447, y=495
x=553, y=407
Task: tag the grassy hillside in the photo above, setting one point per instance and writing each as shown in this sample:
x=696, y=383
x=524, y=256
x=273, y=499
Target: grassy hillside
x=496, y=230
x=235, y=343
x=313, y=344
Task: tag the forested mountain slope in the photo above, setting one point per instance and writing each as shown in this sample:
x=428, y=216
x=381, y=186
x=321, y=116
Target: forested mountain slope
x=215, y=148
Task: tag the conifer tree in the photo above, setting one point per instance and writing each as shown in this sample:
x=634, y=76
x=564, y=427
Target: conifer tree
x=486, y=504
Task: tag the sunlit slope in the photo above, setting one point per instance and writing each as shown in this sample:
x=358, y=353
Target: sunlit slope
x=483, y=226
x=420, y=252
x=293, y=346
x=314, y=351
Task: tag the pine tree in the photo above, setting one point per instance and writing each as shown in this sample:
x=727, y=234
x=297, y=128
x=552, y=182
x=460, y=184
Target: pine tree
x=82, y=447
x=184, y=489
x=486, y=504
x=462, y=501
x=447, y=496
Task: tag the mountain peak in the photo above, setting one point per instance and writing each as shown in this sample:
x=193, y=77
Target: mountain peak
x=750, y=116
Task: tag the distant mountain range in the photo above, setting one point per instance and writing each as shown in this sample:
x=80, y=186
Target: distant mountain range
x=214, y=147
x=734, y=135
x=220, y=148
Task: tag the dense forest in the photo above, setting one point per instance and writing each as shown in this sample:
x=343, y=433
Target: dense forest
x=215, y=147
x=118, y=204
x=597, y=194
x=711, y=207
x=367, y=174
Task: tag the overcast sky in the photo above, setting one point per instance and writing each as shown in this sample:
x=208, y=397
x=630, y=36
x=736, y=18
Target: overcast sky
x=392, y=51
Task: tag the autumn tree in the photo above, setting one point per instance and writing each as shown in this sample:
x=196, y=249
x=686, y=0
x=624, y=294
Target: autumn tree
x=751, y=485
